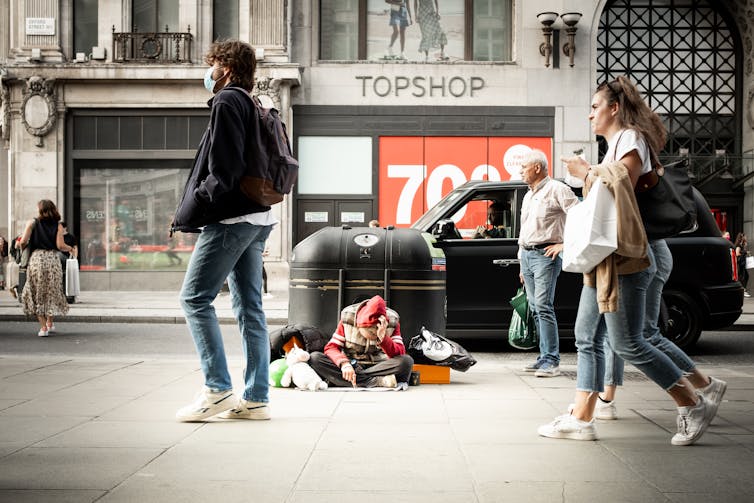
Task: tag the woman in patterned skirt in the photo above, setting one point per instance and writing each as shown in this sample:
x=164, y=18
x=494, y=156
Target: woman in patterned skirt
x=428, y=17
x=43, y=294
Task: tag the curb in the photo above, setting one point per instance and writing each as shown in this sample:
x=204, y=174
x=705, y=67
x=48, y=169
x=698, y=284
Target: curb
x=178, y=320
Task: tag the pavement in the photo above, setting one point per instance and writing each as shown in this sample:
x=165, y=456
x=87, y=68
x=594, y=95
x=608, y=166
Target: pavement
x=99, y=428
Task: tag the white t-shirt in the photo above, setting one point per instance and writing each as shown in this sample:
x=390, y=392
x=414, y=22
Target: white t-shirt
x=623, y=143
x=261, y=218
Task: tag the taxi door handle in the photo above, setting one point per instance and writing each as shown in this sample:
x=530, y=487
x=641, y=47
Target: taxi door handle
x=505, y=262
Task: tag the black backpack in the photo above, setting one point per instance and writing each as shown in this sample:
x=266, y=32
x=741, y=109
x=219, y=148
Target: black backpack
x=272, y=169
x=312, y=339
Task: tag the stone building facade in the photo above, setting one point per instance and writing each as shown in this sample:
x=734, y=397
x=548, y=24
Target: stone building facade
x=103, y=106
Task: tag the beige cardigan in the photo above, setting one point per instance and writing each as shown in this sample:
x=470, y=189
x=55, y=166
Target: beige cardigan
x=631, y=255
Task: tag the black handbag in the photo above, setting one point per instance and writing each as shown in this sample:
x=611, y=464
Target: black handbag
x=665, y=197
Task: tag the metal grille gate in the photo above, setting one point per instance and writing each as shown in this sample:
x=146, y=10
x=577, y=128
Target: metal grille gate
x=683, y=55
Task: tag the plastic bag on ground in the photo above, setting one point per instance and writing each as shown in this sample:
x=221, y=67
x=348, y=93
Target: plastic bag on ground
x=433, y=349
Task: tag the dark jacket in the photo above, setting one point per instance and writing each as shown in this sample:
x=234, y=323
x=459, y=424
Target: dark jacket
x=212, y=192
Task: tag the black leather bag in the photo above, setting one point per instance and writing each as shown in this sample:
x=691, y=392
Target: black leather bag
x=665, y=197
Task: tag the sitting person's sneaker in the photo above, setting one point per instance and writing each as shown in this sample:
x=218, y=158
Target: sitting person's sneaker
x=207, y=404
x=51, y=328
x=714, y=392
x=693, y=421
x=246, y=409
x=533, y=366
x=569, y=427
x=388, y=381
x=605, y=410
x=43, y=333
x=547, y=369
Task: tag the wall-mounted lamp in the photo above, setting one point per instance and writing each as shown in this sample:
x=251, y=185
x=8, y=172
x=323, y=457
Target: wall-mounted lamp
x=547, y=19
x=569, y=48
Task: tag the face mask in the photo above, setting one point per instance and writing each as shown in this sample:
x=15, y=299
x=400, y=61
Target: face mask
x=209, y=83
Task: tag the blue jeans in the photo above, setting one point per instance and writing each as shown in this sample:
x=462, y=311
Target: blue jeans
x=234, y=252
x=540, y=277
x=663, y=260
x=625, y=332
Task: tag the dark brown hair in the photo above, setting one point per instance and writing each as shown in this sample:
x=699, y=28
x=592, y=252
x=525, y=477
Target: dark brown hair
x=48, y=210
x=633, y=112
x=236, y=56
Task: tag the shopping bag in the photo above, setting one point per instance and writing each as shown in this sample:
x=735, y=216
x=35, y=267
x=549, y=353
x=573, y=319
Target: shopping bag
x=591, y=230
x=520, y=303
x=434, y=349
x=750, y=262
x=522, y=333
x=72, y=288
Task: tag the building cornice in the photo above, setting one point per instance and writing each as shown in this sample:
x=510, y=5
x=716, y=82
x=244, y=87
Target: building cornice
x=288, y=74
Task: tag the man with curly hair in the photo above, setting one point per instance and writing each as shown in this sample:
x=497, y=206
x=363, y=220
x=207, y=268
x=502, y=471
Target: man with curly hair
x=233, y=233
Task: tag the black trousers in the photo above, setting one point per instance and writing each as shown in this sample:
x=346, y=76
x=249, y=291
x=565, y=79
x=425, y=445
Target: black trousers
x=400, y=365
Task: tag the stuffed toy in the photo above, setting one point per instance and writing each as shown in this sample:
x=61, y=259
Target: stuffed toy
x=277, y=369
x=302, y=375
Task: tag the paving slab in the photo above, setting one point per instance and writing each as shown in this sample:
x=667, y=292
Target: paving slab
x=472, y=440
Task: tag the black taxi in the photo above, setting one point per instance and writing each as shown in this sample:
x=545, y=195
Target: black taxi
x=482, y=275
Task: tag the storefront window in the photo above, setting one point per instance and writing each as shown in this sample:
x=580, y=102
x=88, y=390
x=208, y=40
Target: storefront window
x=335, y=165
x=224, y=19
x=125, y=214
x=339, y=32
x=416, y=30
x=151, y=16
x=84, y=25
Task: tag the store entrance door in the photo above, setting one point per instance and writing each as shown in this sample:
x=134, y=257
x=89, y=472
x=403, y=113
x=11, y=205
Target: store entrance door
x=314, y=214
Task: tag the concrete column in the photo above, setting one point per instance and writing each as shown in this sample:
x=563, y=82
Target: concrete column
x=37, y=24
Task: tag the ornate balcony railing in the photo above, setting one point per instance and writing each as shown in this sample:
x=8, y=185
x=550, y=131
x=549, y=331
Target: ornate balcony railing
x=161, y=47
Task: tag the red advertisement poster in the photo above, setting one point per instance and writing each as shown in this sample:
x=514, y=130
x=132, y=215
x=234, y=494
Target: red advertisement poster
x=416, y=172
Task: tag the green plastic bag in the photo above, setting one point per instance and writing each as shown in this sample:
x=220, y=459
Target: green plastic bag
x=522, y=333
x=520, y=304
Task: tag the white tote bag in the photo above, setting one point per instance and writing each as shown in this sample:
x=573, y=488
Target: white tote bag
x=591, y=230
x=72, y=288
x=750, y=262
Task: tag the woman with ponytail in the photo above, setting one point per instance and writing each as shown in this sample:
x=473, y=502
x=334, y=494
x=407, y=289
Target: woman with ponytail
x=613, y=302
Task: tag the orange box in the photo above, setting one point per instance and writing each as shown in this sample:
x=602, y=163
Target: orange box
x=432, y=374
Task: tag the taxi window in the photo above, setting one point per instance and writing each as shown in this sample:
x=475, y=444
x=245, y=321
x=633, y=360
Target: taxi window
x=488, y=218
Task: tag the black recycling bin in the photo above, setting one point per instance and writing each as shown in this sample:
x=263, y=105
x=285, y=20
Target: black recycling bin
x=339, y=266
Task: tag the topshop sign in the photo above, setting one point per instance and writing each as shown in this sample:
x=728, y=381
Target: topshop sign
x=419, y=86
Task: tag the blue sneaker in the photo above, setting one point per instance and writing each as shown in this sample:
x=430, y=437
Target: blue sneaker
x=533, y=367
x=547, y=369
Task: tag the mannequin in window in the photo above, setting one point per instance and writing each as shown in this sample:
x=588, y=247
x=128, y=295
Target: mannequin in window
x=433, y=36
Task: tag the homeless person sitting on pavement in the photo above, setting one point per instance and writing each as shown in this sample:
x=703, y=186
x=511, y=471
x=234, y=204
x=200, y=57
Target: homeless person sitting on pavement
x=366, y=350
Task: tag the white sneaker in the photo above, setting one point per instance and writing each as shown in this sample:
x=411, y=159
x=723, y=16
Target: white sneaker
x=246, y=409
x=207, y=404
x=388, y=381
x=568, y=426
x=43, y=333
x=714, y=392
x=693, y=421
x=605, y=411
x=51, y=328
x=267, y=295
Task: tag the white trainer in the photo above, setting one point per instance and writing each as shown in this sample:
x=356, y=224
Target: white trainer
x=207, y=404
x=606, y=411
x=246, y=409
x=714, y=392
x=388, y=381
x=568, y=426
x=693, y=421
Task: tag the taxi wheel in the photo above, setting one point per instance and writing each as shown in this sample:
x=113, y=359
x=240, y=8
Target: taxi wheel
x=683, y=326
